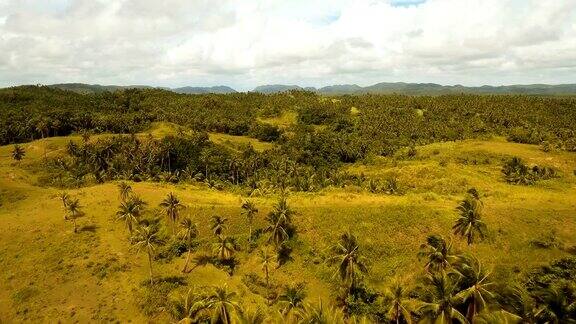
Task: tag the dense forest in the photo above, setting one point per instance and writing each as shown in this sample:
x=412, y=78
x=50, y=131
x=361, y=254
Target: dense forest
x=305, y=156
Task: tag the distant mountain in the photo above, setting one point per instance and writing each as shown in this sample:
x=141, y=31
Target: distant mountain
x=94, y=88
x=273, y=88
x=379, y=88
x=201, y=90
x=340, y=89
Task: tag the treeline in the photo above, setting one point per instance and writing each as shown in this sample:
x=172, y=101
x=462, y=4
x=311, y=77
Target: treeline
x=378, y=124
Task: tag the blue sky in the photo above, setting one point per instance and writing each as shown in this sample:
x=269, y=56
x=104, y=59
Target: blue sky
x=308, y=42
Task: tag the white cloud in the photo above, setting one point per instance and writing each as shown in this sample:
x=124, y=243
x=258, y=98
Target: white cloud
x=309, y=42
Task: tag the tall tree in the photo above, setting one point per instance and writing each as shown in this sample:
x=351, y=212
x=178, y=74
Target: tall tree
x=249, y=210
x=218, y=224
x=399, y=304
x=188, y=233
x=224, y=248
x=146, y=239
x=469, y=223
x=438, y=254
x=125, y=190
x=478, y=284
x=351, y=263
x=129, y=212
x=442, y=309
x=172, y=207
x=267, y=258
x=188, y=308
x=223, y=305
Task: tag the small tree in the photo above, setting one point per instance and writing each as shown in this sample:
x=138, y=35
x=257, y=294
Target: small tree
x=74, y=212
x=267, y=258
x=18, y=152
x=172, y=207
x=351, y=264
x=130, y=211
x=222, y=305
x=469, y=224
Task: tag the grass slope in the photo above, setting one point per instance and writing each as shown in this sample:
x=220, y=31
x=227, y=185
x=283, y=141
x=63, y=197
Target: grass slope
x=49, y=273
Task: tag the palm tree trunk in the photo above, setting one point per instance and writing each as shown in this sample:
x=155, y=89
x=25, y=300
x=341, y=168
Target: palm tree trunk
x=187, y=260
x=75, y=226
x=150, y=267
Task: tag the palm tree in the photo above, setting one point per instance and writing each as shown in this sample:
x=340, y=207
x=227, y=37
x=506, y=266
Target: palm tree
x=218, y=224
x=267, y=258
x=559, y=303
x=497, y=317
x=438, y=254
x=442, y=309
x=280, y=222
x=351, y=263
x=525, y=306
x=400, y=305
x=188, y=308
x=249, y=210
x=125, y=190
x=188, y=232
x=172, y=207
x=129, y=212
x=224, y=248
x=469, y=224
x=64, y=197
x=74, y=212
x=318, y=314
x=146, y=239
x=254, y=317
x=478, y=283
x=222, y=305
x=292, y=298
x=18, y=152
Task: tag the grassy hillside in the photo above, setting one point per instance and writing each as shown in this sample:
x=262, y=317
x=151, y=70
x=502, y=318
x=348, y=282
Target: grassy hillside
x=50, y=272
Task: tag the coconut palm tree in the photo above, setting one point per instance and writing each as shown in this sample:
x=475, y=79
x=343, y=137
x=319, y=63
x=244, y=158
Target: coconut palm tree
x=469, y=223
x=74, y=212
x=64, y=197
x=249, y=210
x=267, y=258
x=224, y=248
x=189, y=308
x=222, y=305
x=188, y=233
x=442, y=310
x=125, y=190
x=525, y=306
x=438, y=254
x=351, y=264
x=129, y=212
x=251, y=317
x=172, y=207
x=319, y=314
x=559, y=303
x=399, y=304
x=18, y=152
x=146, y=239
x=278, y=229
x=218, y=224
x=292, y=299
x=497, y=317
x=479, y=286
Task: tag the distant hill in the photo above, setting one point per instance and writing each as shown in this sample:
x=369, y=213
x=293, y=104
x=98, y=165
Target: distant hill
x=378, y=88
x=94, y=88
x=273, y=88
x=427, y=89
x=201, y=90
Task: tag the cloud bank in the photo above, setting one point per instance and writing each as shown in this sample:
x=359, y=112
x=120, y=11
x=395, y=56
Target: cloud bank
x=308, y=42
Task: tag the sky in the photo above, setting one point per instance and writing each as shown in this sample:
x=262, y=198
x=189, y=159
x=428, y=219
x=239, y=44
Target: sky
x=245, y=43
